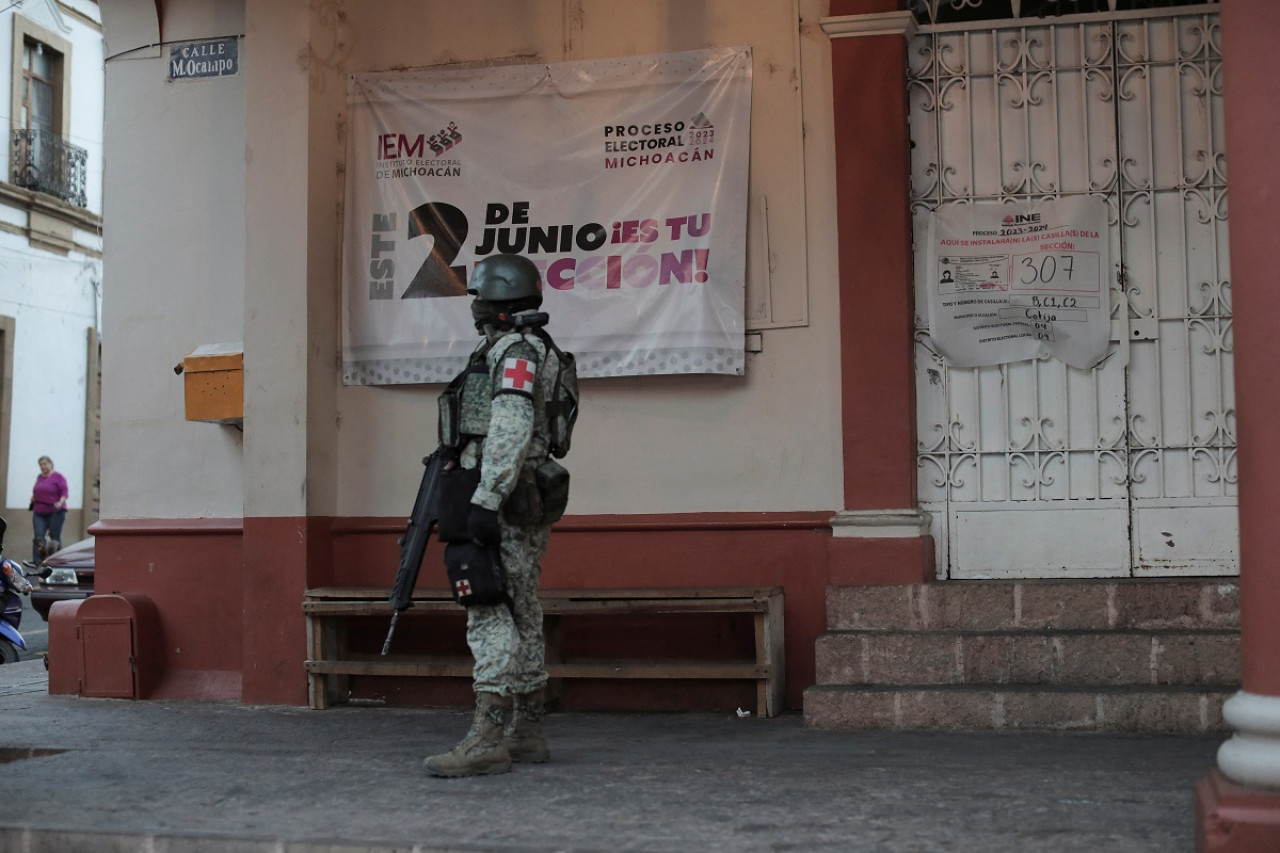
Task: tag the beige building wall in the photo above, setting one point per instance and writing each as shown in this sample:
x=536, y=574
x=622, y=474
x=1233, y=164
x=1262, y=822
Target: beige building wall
x=174, y=273
x=249, y=250
x=767, y=441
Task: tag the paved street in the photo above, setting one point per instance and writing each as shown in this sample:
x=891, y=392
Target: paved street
x=106, y=775
x=34, y=630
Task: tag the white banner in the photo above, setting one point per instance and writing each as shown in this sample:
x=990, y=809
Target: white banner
x=624, y=180
x=1008, y=282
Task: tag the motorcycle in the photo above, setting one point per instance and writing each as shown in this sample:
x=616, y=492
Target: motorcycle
x=13, y=585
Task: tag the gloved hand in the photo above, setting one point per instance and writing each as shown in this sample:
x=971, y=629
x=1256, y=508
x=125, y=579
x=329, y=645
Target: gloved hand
x=482, y=525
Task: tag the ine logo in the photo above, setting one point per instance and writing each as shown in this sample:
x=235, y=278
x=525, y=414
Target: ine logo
x=401, y=146
x=1020, y=219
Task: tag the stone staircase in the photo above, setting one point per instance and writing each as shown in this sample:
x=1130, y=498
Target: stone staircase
x=1152, y=656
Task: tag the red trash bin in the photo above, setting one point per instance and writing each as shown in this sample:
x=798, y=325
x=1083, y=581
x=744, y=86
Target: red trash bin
x=64, y=658
x=120, y=646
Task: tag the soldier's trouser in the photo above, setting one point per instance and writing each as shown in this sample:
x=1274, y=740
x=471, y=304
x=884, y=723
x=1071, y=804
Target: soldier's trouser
x=508, y=645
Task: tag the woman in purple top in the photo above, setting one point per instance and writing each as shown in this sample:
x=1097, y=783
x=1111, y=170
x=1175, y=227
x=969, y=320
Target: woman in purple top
x=48, y=509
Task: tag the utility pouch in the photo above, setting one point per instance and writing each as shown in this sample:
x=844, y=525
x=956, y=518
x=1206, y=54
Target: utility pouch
x=476, y=574
x=464, y=404
x=457, y=487
x=476, y=399
x=523, y=507
x=450, y=404
x=552, y=480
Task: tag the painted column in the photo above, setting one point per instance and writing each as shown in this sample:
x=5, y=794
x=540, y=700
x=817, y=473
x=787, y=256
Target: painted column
x=881, y=535
x=275, y=349
x=1238, y=808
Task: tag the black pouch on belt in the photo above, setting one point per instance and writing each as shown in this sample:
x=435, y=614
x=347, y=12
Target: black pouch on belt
x=539, y=497
x=457, y=485
x=476, y=574
x=523, y=507
x=553, y=487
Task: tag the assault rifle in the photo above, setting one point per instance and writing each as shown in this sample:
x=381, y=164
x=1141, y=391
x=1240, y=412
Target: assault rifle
x=426, y=513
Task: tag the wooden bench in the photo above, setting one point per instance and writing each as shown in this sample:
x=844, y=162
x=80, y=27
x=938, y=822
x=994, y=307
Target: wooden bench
x=330, y=663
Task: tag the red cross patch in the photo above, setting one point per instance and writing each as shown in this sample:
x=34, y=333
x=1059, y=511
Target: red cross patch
x=463, y=587
x=518, y=375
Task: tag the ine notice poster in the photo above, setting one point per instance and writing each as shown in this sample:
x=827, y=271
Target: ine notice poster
x=1008, y=282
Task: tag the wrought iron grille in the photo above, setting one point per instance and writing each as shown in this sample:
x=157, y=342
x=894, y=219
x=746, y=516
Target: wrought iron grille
x=46, y=163
x=968, y=11
x=1129, y=108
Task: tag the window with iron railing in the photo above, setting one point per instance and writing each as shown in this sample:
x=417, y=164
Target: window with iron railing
x=43, y=160
x=46, y=163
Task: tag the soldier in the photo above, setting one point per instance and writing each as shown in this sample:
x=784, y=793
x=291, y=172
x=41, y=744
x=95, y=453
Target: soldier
x=508, y=447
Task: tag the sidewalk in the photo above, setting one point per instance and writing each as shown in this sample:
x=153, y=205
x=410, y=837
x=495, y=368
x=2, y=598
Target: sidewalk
x=116, y=775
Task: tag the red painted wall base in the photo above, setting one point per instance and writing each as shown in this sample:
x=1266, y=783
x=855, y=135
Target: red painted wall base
x=1231, y=818
x=193, y=571
x=230, y=593
x=906, y=560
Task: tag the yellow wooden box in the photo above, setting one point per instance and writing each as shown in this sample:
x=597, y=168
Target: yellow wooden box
x=214, y=380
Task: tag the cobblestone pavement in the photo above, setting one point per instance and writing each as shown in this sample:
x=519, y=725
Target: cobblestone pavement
x=116, y=775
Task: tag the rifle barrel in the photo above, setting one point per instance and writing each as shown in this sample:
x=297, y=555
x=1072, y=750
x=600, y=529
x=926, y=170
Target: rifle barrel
x=386, y=644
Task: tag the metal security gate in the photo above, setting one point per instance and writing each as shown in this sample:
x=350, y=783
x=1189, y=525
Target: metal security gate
x=1034, y=468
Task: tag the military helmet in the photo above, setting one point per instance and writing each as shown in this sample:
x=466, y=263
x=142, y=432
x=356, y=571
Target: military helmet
x=506, y=278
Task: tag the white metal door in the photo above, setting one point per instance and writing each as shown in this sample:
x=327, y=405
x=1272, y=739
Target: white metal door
x=1034, y=468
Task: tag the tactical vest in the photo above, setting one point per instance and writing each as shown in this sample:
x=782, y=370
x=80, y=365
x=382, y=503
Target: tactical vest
x=541, y=494
x=465, y=404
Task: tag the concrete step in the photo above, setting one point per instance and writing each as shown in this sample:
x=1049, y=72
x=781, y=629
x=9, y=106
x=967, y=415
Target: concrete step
x=1143, y=710
x=1137, y=655
x=1209, y=657
x=1035, y=604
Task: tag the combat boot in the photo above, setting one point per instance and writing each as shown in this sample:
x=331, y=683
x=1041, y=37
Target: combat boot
x=525, y=741
x=482, y=751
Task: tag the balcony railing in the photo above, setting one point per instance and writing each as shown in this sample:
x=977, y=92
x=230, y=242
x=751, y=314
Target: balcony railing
x=46, y=163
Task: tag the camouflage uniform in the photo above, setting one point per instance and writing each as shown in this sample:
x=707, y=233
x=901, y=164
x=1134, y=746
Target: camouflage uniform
x=508, y=644
x=503, y=407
